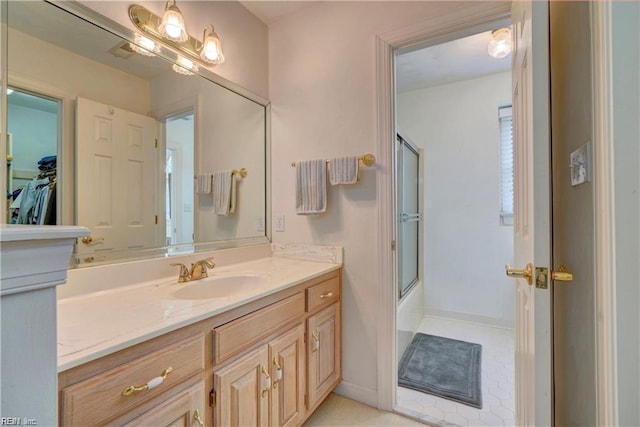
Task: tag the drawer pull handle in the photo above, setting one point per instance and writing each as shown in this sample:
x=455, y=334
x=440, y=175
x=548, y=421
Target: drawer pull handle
x=196, y=417
x=278, y=374
x=326, y=294
x=148, y=386
x=316, y=342
x=266, y=382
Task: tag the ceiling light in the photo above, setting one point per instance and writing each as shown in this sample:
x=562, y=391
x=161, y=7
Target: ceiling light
x=500, y=45
x=144, y=46
x=211, y=51
x=185, y=66
x=172, y=26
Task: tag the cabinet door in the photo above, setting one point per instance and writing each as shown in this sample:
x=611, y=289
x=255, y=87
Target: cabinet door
x=242, y=391
x=287, y=356
x=183, y=409
x=324, y=350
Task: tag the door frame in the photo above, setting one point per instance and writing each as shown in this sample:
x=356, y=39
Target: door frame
x=604, y=215
x=466, y=21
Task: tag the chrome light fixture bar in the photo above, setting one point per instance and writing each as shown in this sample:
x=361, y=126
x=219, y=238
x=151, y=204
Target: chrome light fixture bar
x=192, y=48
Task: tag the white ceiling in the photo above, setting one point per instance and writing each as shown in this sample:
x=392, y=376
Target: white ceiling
x=461, y=59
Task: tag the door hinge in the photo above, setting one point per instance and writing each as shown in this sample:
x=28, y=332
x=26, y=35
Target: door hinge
x=156, y=142
x=304, y=338
x=212, y=398
x=156, y=219
x=306, y=400
x=393, y=245
x=542, y=277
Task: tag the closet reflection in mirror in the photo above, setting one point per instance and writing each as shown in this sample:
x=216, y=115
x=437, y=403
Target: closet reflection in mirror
x=32, y=147
x=131, y=136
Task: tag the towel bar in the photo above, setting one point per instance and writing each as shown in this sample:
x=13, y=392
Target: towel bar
x=366, y=159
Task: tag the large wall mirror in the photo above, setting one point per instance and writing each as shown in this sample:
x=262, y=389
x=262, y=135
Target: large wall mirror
x=152, y=161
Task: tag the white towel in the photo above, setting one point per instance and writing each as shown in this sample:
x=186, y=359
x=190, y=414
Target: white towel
x=343, y=170
x=203, y=183
x=224, y=192
x=311, y=187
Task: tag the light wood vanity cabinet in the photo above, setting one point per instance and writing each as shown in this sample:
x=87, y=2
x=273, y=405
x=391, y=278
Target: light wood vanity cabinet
x=270, y=362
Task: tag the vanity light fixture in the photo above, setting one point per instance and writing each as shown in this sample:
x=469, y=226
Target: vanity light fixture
x=500, y=44
x=185, y=66
x=144, y=46
x=172, y=25
x=207, y=52
x=211, y=51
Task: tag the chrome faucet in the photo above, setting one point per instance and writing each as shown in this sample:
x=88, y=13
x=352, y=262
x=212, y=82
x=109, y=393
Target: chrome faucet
x=198, y=270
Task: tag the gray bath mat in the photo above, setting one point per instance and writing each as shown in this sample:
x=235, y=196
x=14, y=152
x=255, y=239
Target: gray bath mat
x=443, y=367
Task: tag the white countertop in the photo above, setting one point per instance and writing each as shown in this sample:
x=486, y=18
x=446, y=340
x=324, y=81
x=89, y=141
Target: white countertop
x=100, y=323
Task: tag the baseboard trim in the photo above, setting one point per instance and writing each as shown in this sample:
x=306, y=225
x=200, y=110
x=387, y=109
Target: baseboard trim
x=358, y=393
x=468, y=317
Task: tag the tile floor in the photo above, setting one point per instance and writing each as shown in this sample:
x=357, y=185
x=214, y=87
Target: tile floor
x=498, y=393
x=340, y=411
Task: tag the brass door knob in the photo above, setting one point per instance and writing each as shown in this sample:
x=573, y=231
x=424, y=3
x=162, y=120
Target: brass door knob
x=525, y=273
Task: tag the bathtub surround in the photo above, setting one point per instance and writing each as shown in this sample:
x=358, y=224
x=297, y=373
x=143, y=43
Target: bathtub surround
x=457, y=126
x=33, y=261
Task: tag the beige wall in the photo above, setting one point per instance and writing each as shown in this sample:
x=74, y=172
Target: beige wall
x=244, y=37
x=322, y=88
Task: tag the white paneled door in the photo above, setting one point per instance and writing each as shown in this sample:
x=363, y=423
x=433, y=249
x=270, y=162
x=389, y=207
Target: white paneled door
x=532, y=228
x=116, y=177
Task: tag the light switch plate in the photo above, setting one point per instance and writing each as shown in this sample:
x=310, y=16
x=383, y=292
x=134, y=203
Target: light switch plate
x=279, y=223
x=580, y=164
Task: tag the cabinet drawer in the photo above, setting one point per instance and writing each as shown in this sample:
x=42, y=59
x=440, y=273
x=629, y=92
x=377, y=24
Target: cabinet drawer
x=323, y=294
x=100, y=398
x=240, y=334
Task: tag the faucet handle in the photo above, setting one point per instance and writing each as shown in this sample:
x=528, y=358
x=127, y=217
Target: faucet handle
x=209, y=262
x=184, y=276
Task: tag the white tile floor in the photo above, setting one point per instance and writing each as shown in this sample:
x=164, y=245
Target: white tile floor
x=498, y=392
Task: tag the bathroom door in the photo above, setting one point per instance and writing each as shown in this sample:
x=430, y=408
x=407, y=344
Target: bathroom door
x=532, y=213
x=409, y=216
x=116, y=177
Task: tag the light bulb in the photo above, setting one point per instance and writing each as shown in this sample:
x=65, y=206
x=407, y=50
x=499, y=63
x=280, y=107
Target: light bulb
x=211, y=51
x=500, y=45
x=172, y=26
x=144, y=46
x=184, y=66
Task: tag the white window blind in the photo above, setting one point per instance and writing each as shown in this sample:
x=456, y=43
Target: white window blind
x=505, y=117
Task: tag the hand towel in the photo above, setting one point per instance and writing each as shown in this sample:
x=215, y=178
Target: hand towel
x=203, y=183
x=343, y=170
x=311, y=187
x=224, y=192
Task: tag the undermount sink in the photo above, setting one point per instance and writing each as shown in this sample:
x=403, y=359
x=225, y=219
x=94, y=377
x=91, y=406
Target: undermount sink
x=218, y=287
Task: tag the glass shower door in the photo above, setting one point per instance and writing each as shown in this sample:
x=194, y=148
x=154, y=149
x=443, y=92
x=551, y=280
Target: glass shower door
x=408, y=197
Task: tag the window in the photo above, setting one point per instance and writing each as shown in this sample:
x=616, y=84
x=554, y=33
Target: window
x=505, y=116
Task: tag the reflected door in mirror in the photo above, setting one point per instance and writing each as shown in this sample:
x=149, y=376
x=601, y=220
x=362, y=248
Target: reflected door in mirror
x=117, y=177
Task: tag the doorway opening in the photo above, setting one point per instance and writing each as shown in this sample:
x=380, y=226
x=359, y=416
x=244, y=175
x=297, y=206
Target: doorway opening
x=33, y=127
x=179, y=173
x=451, y=104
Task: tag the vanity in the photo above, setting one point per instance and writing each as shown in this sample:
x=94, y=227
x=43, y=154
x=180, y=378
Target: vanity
x=255, y=343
